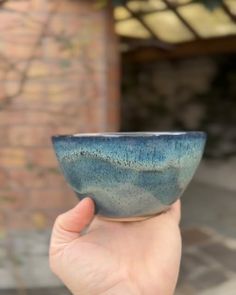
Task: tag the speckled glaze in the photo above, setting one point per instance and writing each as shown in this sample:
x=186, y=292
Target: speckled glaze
x=130, y=175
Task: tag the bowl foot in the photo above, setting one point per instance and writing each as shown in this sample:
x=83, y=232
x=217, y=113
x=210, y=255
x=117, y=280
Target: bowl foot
x=128, y=219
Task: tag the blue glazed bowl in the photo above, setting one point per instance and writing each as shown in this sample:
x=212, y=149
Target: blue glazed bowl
x=130, y=175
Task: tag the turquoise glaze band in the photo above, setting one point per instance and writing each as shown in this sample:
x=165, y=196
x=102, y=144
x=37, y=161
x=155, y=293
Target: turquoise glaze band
x=130, y=174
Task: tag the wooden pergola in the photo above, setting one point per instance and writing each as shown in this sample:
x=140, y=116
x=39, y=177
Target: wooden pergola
x=190, y=29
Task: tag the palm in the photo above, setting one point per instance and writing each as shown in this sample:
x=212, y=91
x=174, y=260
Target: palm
x=124, y=258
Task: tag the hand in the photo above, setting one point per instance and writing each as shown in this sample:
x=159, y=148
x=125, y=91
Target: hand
x=116, y=258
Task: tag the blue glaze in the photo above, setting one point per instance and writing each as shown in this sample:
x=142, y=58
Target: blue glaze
x=130, y=174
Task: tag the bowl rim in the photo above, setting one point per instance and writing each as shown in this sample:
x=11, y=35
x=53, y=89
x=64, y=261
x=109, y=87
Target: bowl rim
x=131, y=134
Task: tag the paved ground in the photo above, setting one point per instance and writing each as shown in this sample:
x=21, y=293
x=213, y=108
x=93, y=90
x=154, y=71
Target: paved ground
x=209, y=241
x=209, y=251
x=209, y=206
x=208, y=263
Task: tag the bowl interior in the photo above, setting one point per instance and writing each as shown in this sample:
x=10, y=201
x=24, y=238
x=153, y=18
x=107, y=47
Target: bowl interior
x=133, y=134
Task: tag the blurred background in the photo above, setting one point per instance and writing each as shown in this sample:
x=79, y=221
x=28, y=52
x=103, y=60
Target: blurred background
x=71, y=66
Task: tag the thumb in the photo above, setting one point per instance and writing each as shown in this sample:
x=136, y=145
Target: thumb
x=68, y=226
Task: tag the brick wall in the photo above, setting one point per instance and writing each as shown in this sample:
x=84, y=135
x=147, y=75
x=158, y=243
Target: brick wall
x=58, y=74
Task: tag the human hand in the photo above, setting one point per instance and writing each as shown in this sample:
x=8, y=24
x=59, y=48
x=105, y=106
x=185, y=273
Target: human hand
x=116, y=258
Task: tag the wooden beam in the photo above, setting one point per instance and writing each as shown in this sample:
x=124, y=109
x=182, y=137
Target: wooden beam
x=161, y=44
x=219, y=45
x=142, y=22
x=227, y=10
x=144, y=13
x=134, y=43
x=181, y=18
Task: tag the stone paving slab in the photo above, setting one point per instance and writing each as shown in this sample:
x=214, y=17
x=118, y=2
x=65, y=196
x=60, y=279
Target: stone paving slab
x=24, y=260
x=209, y=279
x=195, y=236
x=186, y=290
x=208, y=205
x=222, y=254
x=228, y=288
x=208, y=263
x=7, y=279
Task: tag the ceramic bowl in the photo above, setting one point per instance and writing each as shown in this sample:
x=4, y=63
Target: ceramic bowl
x=130, y=175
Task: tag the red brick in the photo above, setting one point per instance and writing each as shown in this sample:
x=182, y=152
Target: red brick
x=48, y=199
x=7, y=118
x=2, y=89
x=12, y=88
x=4, y=136
x=10, y=118
x=28, y=136
x=22, y=51
x=41, y=118
x=72, y=8
x=35, y=177
x=43, y=157
x=33, y=90
x=26, y=178
x=52, y=214
x=38, y=69
x=12, y=157
x=56, y=28
x=29, y=28
x=45, y=218
x=69, y=129
x=19, y=220
x=9, y=20
x=25, y=117
x=52, y=49
x=113, y=118
x=3, y=179
x=39, y=220
x=12, y=199
x=3, y=223
x=59, y=94
x=55, y=98
x=32, y=102
x=54, y=179
x=38, y=5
